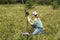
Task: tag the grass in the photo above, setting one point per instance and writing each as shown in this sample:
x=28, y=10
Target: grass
x=12, y=19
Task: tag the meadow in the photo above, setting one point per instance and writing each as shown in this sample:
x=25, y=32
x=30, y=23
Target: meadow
x=13, y=21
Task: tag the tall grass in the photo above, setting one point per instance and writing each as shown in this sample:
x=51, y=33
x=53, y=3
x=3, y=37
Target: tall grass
x=13, y=21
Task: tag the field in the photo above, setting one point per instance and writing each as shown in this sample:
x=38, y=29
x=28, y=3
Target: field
x=13, y=21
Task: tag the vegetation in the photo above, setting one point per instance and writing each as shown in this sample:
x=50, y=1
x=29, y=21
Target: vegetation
x=54, y=3
x=13, y=21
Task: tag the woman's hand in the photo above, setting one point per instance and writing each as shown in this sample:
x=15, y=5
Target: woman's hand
x=29, y=20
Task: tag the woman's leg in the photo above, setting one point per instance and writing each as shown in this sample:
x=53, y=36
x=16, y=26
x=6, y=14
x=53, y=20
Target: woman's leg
x=37, y=31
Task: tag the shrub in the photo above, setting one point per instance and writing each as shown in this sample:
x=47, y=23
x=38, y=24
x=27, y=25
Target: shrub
x=55, y=5
x=8, y=1
x=28, y=5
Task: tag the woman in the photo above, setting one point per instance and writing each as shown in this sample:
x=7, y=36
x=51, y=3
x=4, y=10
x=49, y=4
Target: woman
x=36, y=23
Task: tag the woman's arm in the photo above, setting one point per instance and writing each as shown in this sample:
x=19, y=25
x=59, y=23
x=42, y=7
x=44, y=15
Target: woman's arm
x=39, y=19
x=29, y=20
x=40, y=22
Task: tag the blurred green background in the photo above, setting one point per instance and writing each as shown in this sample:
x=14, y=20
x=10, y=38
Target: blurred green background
x=13, y=20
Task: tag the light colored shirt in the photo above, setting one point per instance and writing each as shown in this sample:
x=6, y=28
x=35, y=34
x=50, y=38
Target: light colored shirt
x=37, y=22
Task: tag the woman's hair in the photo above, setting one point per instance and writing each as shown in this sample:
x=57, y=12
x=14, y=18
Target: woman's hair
x=36, y=16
